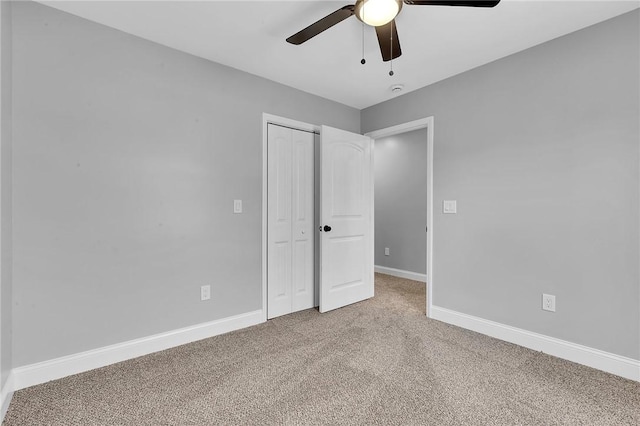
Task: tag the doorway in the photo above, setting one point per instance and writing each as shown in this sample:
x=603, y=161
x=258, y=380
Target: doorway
x=425, y=123
x=343, y=217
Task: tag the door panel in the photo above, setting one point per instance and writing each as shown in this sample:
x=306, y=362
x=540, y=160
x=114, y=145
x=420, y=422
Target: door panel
x=279, y=256
x=346, y=167
x=282, y=271
x=303, y=235
x=346, y=205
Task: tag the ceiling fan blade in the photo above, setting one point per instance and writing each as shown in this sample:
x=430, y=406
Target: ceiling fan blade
x=470, y=3
x=321, y=25
x=388, y=40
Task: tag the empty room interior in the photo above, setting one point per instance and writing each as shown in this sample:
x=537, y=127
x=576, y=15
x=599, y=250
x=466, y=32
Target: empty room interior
x=320, y=212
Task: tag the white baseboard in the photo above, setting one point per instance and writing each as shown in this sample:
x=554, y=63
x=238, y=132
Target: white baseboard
x=401, y=273
x=45, y=371
x=6, y=393
x=611, y=363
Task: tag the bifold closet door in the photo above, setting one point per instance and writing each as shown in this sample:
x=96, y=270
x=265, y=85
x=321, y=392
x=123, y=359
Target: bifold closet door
x=290, y=220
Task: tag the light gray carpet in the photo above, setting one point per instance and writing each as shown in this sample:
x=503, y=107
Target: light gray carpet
x=378, y=362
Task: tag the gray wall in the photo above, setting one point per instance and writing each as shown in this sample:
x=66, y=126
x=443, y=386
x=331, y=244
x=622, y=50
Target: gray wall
x=127, y=158
x=5, y=194
x=401, y=201
x=541, y=150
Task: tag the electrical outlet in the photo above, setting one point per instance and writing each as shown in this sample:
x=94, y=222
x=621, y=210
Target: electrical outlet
x=237, y=206
x=386, y=251
x=549, y=302
x=205, y=292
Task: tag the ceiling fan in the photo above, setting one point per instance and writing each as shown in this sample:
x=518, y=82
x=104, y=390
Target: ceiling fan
x=381, y=15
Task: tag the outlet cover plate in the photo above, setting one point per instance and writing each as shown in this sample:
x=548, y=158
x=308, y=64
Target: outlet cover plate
x=205, y=292
x=549, y=302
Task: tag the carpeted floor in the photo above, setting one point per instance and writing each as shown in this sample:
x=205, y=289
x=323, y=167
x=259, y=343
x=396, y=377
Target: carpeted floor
x=378, y=362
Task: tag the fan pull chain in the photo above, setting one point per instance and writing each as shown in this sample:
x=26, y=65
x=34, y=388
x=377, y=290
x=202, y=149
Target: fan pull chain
x=391, y=61
x=363, y=61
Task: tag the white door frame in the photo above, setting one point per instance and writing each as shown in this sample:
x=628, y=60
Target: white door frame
x=423, y=123
x=286, y=122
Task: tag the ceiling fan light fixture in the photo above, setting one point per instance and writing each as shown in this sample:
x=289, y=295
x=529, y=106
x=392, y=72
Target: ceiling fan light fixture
x=377, y=12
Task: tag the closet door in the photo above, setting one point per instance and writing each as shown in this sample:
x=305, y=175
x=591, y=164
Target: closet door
x=290, y=224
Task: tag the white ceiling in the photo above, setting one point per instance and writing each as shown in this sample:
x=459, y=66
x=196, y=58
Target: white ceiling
x=437, y=42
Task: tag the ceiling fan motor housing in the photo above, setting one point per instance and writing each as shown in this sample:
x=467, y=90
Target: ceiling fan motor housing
x=377, y=12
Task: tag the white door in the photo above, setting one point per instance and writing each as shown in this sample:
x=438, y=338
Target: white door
x=290, y=224
x=346, y=218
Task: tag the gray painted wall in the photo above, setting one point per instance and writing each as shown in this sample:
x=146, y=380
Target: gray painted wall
x=541, y=150
x=5, y=194
x=127, y=158
x=401, y=201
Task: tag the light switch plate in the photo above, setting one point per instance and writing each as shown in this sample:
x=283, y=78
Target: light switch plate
x=449, y=207
x=237, y=206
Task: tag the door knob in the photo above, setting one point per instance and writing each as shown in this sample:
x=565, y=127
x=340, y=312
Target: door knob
x=327, y=228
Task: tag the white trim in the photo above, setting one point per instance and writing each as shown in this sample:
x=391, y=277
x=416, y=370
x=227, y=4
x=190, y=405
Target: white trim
x=408, y=127
x=281, y=121
x=45, y=371
x=401, y=128
x=611, y=363
x=430, y=229
x=287, y=122
x=401, y=273
x=5, y=396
